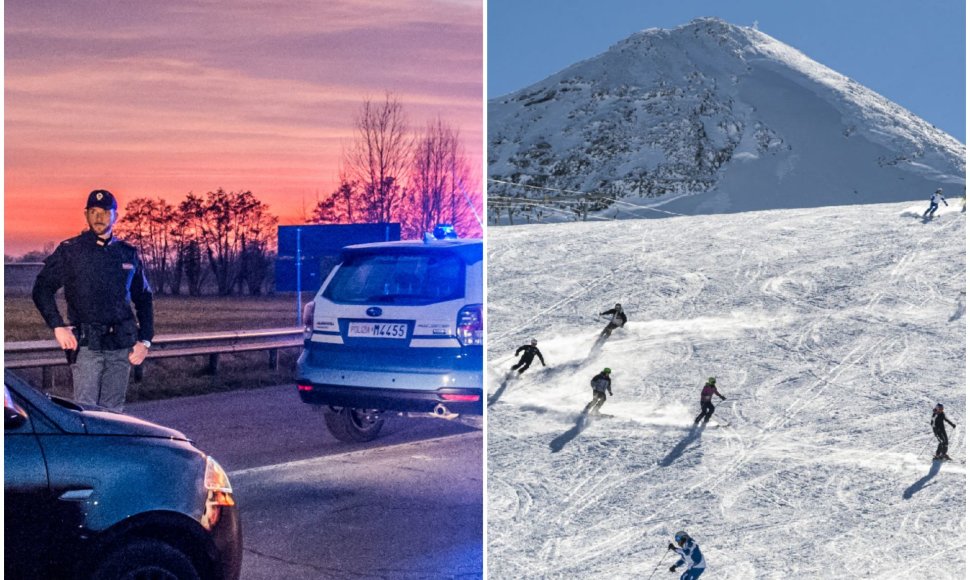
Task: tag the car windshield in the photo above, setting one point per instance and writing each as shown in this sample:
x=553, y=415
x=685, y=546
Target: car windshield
x=398, y=278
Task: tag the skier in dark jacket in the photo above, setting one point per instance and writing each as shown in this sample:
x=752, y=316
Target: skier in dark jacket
x=707, y=407
x=529, y=352
x=601, y=383
x=690, y=554
x=940, y=431
x=617, y=320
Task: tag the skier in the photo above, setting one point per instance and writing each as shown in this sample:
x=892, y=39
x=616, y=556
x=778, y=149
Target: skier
x=707, y=393
x=940, y=431
x=529, y=352
x=690, y=553
x=935, y=200
x=601, y=383
x=617, y=320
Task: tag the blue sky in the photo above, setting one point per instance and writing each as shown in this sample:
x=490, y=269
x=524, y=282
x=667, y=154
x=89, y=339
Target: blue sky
x=913, y=53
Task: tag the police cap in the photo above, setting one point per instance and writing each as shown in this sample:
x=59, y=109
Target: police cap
x=101, y=198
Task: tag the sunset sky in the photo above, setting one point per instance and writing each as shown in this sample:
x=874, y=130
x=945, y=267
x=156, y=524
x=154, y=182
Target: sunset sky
x=157, y=99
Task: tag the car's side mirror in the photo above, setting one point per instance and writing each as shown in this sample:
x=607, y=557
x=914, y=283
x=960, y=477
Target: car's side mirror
x=13, y=415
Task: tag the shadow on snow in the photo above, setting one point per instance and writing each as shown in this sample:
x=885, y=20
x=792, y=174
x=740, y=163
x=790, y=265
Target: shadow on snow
x=559, y=442
x=921, y=482
x=693, y=435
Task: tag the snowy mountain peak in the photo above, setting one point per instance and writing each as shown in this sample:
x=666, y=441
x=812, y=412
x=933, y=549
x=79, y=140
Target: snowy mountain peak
x=708, y=117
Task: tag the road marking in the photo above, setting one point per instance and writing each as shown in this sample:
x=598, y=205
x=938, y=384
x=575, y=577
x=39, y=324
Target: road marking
x=325, y=458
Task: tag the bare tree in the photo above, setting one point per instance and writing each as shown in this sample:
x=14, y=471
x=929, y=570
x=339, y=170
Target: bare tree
x=379, y=158
x=440, y=182
x=338, y=207
x=147, y=224
x=227, y=225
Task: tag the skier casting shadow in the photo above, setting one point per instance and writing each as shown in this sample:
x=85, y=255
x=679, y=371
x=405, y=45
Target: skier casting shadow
x=528, y=352
x=935, y=200
x=601, y=383
x=921, y=482
x=707, y=407
x=617, y=320
x=939, y=429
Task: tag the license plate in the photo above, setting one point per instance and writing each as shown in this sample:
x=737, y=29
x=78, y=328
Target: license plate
x=378, y=330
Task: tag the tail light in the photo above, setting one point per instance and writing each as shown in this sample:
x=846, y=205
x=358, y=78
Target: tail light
x=460, y=398
x=471, y=326
x=308, y=309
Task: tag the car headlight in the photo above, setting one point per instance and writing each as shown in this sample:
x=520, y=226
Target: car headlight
x=217, y=483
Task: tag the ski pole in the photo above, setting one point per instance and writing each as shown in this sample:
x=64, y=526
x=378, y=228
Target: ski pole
x=658, y=564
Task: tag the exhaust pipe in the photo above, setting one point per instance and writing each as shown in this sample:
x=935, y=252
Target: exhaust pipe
x=442, y=412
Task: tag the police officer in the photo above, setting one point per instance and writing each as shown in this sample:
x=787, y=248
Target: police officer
x=102, y=277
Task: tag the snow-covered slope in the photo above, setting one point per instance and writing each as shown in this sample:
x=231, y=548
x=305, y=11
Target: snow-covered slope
x=707, y=118
x=832, y=331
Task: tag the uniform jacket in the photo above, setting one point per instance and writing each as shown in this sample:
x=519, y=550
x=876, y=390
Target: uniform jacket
x=936, y=198
x=100, y=285
x=530, y=353
x=691, y=554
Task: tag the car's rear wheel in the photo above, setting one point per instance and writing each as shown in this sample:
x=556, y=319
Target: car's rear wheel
x=353, y=425
x=146, y=560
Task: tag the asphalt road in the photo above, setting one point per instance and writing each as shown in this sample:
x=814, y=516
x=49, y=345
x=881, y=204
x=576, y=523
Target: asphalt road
x=408, y=505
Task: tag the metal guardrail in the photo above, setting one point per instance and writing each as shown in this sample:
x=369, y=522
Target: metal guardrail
x=47, y=353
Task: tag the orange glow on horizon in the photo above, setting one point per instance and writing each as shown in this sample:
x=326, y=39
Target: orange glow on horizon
x=139, y=114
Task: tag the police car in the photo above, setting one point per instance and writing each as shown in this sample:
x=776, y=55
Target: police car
x=397, y=327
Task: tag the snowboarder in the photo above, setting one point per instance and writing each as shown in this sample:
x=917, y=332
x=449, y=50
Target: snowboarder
x=529, y=352
x=617, y=320
x=690, y=554
x=601, y=383
x=707, y=393
x=940, y=431
x=935, y=200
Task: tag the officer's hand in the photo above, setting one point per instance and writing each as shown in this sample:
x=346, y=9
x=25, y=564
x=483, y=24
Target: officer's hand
x=671, y=547
x=65, y=337
x=673, y=568
x=137, y=354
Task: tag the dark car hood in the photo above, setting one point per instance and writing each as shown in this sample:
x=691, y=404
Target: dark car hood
x=99, y=422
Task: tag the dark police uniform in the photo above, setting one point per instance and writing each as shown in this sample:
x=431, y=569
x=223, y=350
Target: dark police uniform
x=101, y=279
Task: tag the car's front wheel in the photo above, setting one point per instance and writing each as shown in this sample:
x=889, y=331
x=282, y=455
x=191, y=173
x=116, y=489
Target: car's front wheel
x=146, y=560
x=353, y=425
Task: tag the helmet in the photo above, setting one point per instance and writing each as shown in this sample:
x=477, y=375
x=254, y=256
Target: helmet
x=939, y=190
x=618, y=306
x=938, y=406
x=534, y=342
x=681, y=537
x=711, y=380
x=607, y=370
